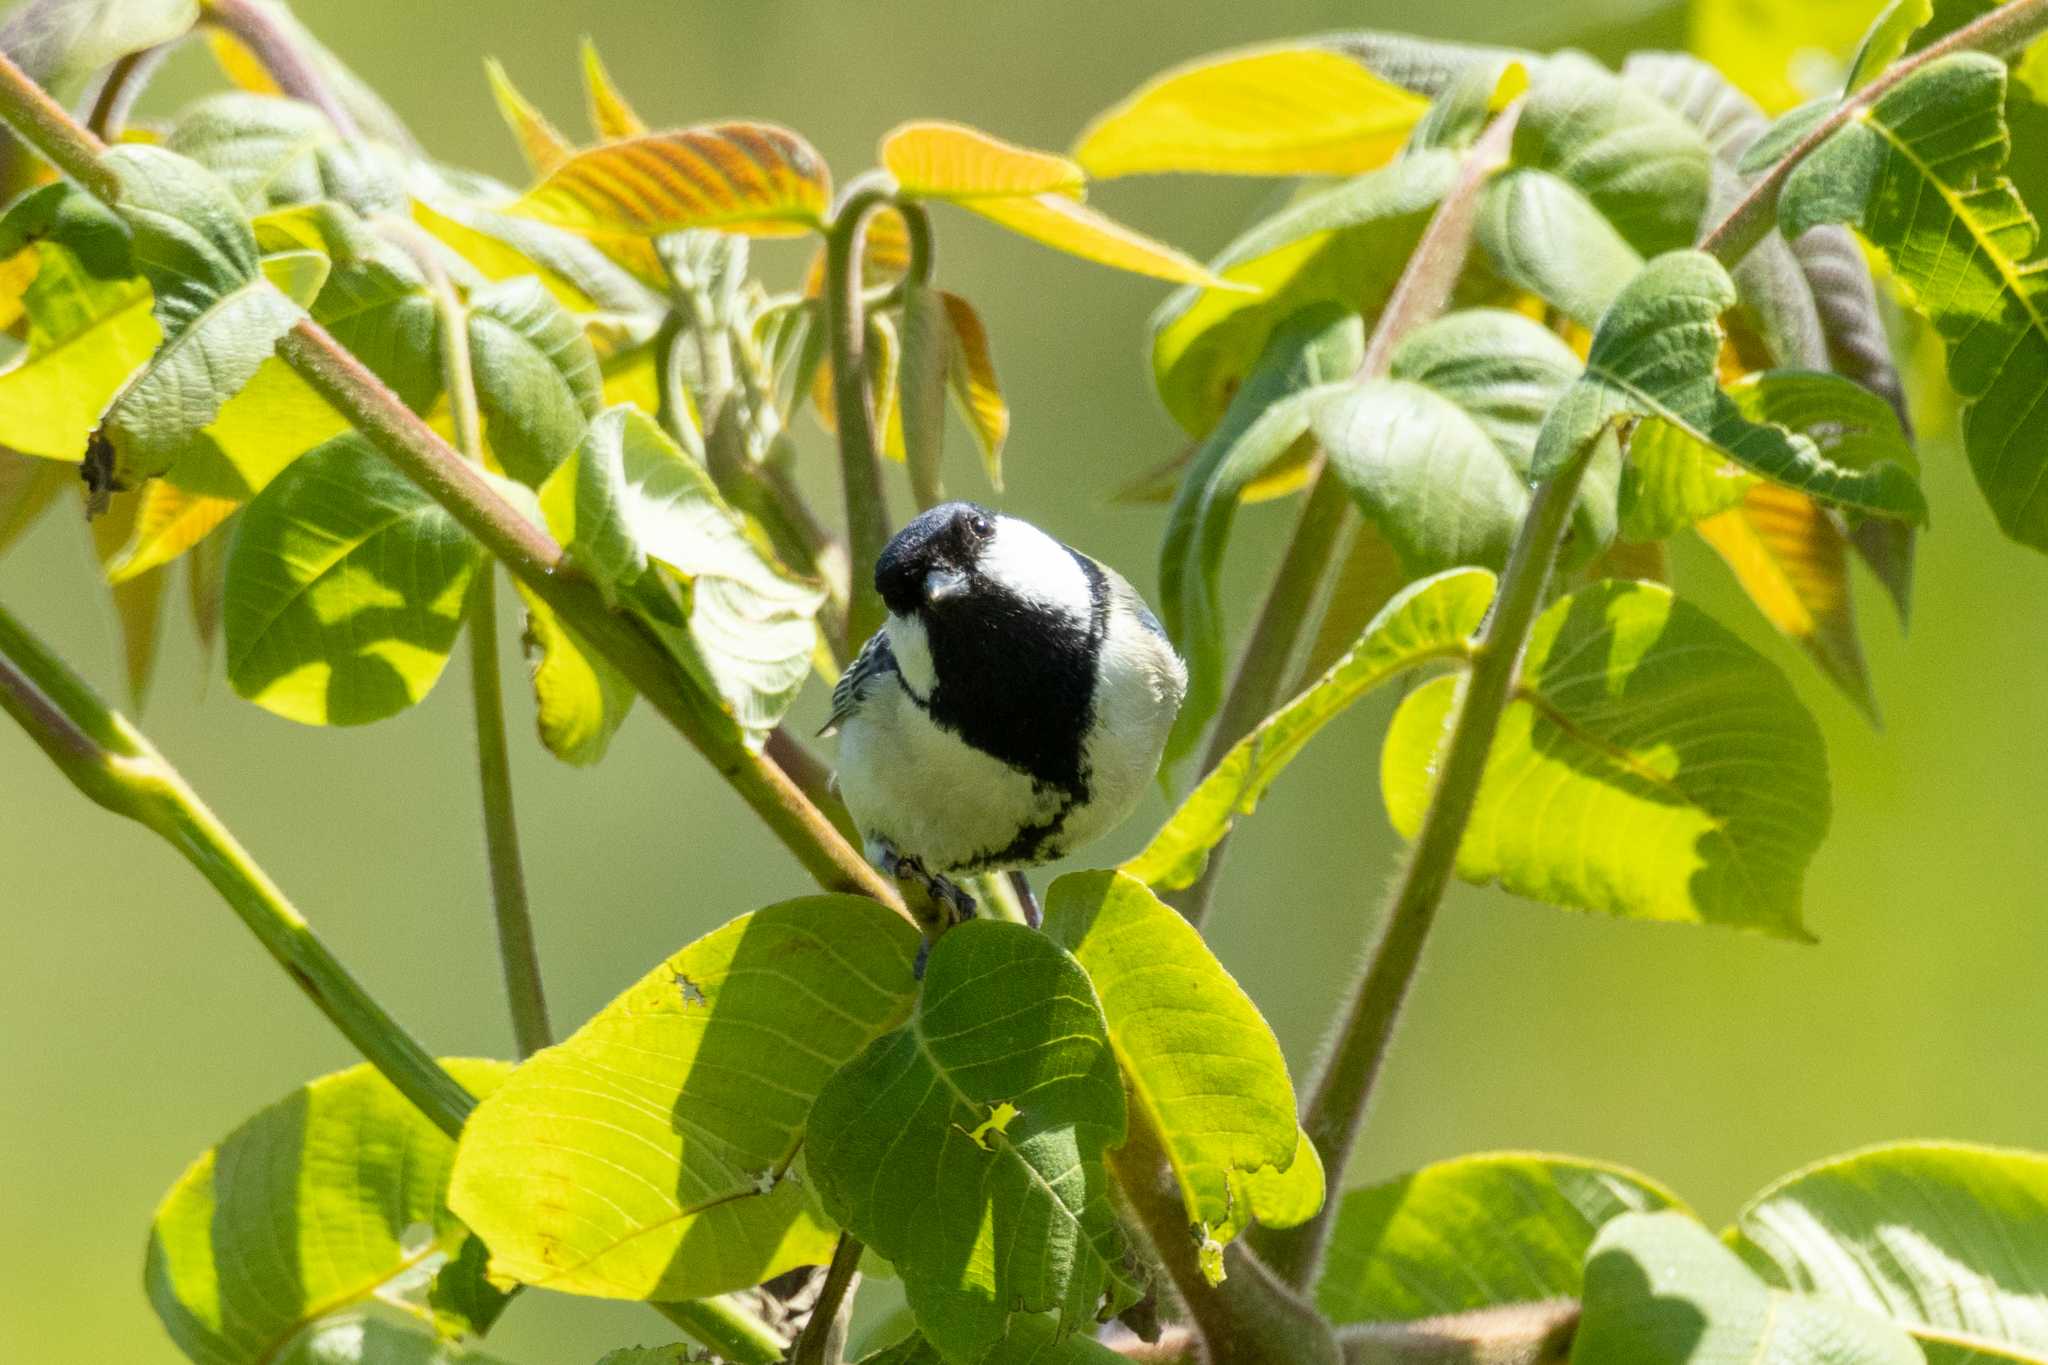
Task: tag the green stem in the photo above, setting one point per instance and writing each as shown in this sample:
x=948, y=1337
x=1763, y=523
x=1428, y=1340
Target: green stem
x=1335, y=1109
x=106, y=758
x=48, y=127
x=120, y=88
x=2008, y=28
x=292, y=69
x=516, y=951
x=860, y=466
x=1248, y=1319
x=824, y=1337
x=1419, y=295
x=727, y=1327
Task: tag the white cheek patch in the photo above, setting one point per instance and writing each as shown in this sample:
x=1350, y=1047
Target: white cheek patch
x=1034, y=566
x=913, y=651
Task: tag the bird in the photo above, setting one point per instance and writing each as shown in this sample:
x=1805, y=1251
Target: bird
x=1013, y=706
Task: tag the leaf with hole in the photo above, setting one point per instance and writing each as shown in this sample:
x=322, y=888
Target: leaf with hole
x=346, y=589
x=1282, y=110
x=1196, y=1054
x=966, y=1147
x=936, y=160
x=1650, y=765
x=1944, y=1238
x=753, y=178
x=88, y=321
x=1661, y=1290
x=331, y=1198
x=653, y=1153
x=1474, y=1232
x=1300, y=368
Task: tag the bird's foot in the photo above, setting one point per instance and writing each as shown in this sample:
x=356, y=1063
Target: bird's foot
x=941, y=905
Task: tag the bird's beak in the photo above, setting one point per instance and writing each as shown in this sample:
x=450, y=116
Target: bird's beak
x=943, y=585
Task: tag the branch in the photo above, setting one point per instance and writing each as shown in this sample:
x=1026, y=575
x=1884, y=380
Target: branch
x=1336, y=1105
x=292, y=69
x=1513, y=1334
x=1421, y=294
x=48, y=127
x=824, y=1337
x=1248, y=1319
x=106, y=758
x=860, y=467
x=2005, y=29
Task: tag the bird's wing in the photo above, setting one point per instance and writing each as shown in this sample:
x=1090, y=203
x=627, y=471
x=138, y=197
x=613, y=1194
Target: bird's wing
x=874, y=662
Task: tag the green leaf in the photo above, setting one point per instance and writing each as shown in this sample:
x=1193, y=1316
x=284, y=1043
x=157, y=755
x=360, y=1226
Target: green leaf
x=364, y=1339
x=1660, y=1290
x=1433, y=619
x=1277, y=110
x=1635, y=160
x=1031, y=1341
x=966, y=1148
x=537, y=379
x=273, y=152
x=1540, y=233
x=1345, y=245
x=1886, y=40
x=579, y=699
x=1918, y=174
x=1651, y=765
x=1654, y=355
x=346, y=588
x=502, y=247
x=629, y=497
x=328, y=1198
x=1321, y=344
x=1199, y=1058
x=1945, y=1239
x=651, y=1155
x=1473, y=1232
x=63, y=43
x=1437, y=454
x=927, y=356
x=220, y=308
x=89, y=324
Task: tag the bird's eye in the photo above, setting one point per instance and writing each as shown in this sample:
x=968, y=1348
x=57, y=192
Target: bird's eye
x=982, y=527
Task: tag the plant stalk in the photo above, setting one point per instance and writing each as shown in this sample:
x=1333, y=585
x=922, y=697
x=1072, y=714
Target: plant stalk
x=48, y=127
x=1419, y=295
x=728, y=1327
x=860, y=464
x=293, y=71
x=2006, y=29
x=823, y=1341
x=120, y=88
x=1335, y=1109
x=110, y=761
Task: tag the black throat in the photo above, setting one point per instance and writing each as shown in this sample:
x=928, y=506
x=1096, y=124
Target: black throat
x=1017, y=681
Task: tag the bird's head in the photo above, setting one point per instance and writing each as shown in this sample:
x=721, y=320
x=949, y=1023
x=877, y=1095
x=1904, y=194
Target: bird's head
x=935, y=561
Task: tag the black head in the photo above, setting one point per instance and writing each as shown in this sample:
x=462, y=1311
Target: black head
x=933, y=560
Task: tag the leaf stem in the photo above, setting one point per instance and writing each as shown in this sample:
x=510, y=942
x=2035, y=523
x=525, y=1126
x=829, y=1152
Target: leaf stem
x=1335, y=1108
x=1248, y=1319
x=48, y=127
x=108, y=760
x=1419, y=295
x=728, y=1328
x=293, y=71
x=823, y=1341
x=2005, y=29
x=860, y=467
x=121, y=87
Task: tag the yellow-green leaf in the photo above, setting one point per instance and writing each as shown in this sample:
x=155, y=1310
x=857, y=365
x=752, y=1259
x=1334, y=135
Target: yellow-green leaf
x=611, y=117
x=168, y=522
x=971, y=375
x=539, y=143
x=1065, y=225
x=1197, y=1055
x=238, y=64
x=579, y=699
x=936, y=160
x=1780, y=54
x=652, y=1154
x=1793, y=561
x=752, y=178
x=1259, y=111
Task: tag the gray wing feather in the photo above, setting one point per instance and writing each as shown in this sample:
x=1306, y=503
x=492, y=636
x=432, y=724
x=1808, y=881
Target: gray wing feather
x=874, y=662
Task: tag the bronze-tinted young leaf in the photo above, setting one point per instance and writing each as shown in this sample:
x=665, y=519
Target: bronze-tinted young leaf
x=539, y=143
x=753, y=178
x=1282, y=110
x=168, y=522
x=932, y=159
x=971, y=377
x=611, y=116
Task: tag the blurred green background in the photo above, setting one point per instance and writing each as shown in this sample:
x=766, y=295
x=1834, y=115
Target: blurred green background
x=141, y=1022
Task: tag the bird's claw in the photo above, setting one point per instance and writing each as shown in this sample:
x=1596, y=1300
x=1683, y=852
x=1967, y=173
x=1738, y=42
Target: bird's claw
x=951, y=902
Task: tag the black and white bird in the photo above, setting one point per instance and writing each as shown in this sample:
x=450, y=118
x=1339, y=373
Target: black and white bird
x=1013, y=706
